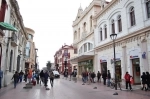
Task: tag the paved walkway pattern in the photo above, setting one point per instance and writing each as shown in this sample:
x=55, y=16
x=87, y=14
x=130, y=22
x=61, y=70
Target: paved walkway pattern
x=65, y=89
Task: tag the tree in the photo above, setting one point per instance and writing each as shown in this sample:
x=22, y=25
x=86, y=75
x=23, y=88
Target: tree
x=48, y=65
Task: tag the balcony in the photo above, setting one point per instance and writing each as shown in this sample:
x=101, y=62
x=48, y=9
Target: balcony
x=14, y=39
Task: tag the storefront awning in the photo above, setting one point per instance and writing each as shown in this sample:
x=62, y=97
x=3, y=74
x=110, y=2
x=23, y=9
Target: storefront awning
x=6, y=26
x=76, y=59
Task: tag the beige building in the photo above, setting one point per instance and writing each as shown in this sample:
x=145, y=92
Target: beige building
x=30, y=50
x=83, y=40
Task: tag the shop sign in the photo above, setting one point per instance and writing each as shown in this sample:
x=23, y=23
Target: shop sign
x=102, y=61
x=132, y=57
x=144, y=55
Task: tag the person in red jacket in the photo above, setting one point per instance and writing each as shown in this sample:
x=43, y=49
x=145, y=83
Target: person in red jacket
x=127, y=79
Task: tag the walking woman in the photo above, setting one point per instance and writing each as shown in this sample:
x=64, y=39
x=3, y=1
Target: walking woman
x=144, y=81
x=51, y=79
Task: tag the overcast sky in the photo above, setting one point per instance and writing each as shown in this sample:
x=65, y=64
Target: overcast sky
x=52, y=22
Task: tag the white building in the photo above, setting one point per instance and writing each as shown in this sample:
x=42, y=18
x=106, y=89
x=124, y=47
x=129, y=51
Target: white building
x=83, y=30
x=130, y=20
x=14, y=42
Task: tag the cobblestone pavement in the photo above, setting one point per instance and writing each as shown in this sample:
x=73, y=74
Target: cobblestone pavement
x=65, y=89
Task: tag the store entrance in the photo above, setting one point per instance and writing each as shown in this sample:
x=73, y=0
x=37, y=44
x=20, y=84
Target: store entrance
x=104, y=67
x=136, y=70
x=118, y=70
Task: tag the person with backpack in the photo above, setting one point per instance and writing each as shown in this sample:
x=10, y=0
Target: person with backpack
x=52, y=78
x=127, y=79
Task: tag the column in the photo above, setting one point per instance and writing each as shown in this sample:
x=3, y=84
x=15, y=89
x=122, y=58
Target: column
x=15, y=58
x=124, y=61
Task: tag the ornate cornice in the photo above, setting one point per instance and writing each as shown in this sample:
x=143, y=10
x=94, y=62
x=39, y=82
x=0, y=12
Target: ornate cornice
x=14, y=4
x=139, y=35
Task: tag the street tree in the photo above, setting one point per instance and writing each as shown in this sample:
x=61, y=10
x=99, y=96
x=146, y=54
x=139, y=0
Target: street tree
x=48, y=65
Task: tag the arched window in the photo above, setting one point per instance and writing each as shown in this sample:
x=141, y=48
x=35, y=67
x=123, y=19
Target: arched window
x=85, y=47
x=84, y=26
x=113, y=26
x=132, y=16
x=105, y=28
x=119, y=23
x=10, y=63
x=91, y=23
x=75, y=35
x=79, y=33
x=101, y=35
x=148, y=8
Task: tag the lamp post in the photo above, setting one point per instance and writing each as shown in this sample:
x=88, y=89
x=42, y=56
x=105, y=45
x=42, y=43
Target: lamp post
x=35, y=58
x=113, y=37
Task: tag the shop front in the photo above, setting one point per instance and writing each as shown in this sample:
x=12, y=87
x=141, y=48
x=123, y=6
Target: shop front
x=136, y=70
x=86, y=65
x=103, y=64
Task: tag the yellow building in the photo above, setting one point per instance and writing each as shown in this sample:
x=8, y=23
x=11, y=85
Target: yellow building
x=30, y=49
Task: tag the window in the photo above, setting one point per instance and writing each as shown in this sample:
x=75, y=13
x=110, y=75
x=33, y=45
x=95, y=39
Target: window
x=28, y=52
x=101, y=35
x=105, y=31
x=28, y=45
x=84, y=26
x=119, y=23
x=30, y=36
x=75, y=35
x=79, y=33
x=85, y=47
x=11, y=57
x=90, y=46
x=75, y=51
x=132, y=16
x=148, y=8
x=91, y=23
x=113, y=26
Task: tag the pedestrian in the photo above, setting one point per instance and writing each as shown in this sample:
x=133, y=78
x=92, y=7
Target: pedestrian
x=83, y=78
x=74, y=76
x=148, y=80
x=93, y=76
x=41, y=77
x=20, y=76
x=108, y=78
x=46, y=75
x=90, y=79
x=98, y=77
x=144, y=78
x=1, y=76
x=52, y=79
x=70, y=75
x=127, y=79
x=15, y=77
x=37, y=77
x=25, y=76
x=104, y=76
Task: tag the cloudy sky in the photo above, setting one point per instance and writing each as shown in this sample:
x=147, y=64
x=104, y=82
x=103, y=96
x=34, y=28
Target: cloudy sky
x=52, y=22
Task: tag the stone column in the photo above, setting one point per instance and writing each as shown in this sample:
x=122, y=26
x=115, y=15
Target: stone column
x=15, y=58
x=124, y=61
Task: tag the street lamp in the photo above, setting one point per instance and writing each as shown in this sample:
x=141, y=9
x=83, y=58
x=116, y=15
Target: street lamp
x=113, y=37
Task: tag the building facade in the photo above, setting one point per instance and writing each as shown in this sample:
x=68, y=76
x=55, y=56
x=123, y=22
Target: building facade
x=62, y=55
x=83, y=28
x=130, y=20
x=30, y=50
x=13, y=43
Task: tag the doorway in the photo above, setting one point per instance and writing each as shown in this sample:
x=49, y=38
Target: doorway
x=118, y=69
x=104, y=67
x=136, y=71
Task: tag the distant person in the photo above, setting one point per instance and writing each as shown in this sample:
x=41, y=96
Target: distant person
x=127, y=79
x=52, y=79
x=21, y=76
x=98, y=77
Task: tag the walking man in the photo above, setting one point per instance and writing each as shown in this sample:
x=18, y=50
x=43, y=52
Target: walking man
x=98, y=77
x=52, y=79
x=108, y=78
x=15, y=77
x=1, y=76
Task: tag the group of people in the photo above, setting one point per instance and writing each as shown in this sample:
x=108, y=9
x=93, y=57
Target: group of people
x=44, y=76
x=72, y=75
x=145, y=81
x=34, y=77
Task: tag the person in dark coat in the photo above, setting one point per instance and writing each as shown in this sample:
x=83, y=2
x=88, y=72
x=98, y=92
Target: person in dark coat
x=46, y=75
x=98, y=77
x=104, y=76
x=41, y=76
x=148, y=80
x=144, y=81
x=108, y=78
x=15, y=77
